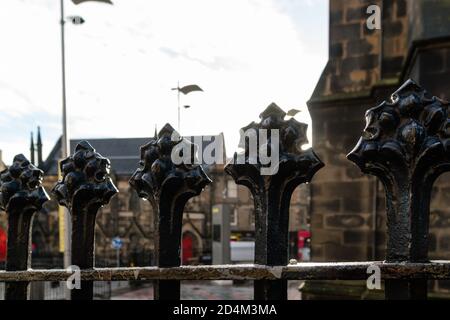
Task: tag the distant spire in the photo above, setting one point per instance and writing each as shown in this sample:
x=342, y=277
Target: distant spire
x=39, y=147
x=32, y=148
x=39, y=140
x=156, y=133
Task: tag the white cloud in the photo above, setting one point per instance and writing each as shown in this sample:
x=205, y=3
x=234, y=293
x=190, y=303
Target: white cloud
x=122, y=63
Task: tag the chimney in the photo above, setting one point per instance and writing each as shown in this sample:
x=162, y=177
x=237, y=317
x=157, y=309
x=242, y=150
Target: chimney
x=32, y=148
x=39, y=147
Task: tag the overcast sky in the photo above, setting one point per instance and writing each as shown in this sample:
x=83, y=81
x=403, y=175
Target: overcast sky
x=123, y=61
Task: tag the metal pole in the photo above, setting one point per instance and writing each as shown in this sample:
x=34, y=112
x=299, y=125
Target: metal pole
x=179, y=118
x=63, y=68
x=64, y=145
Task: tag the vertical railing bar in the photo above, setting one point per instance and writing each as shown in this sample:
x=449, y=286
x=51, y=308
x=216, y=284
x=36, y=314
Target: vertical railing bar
x=406, y=143
x=85, y=187
x=21, y=196
x=272, y=184
x=168, y=184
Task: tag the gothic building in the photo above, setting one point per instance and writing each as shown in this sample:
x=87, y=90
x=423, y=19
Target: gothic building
x=365, y=67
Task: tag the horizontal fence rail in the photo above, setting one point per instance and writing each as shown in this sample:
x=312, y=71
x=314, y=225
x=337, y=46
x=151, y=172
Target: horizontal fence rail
x=434, y=270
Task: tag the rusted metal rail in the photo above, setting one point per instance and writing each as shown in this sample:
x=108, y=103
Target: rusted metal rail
x=435, y=270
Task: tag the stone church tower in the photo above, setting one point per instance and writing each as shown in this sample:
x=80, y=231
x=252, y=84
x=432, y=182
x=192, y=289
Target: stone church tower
x=364, y=68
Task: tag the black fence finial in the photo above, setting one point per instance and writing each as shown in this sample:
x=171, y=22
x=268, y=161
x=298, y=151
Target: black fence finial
x=84, y=188
x=21, y=196
x=168, y=178
x=272, y=166
x=406, y=144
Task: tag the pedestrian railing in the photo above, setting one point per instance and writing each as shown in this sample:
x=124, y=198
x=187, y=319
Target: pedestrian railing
x=406, y=144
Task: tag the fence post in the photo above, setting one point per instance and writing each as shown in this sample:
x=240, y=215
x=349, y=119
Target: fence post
x=168, y=178
x=406, y=144
x=84, y=188
x=272, y=187
x=21, y=196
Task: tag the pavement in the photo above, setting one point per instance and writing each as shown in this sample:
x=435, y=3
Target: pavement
x=207, y=290
x=190, y=290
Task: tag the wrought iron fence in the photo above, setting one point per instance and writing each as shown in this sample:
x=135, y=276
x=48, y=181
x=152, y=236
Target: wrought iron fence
x=56, y=290
x=406, y=144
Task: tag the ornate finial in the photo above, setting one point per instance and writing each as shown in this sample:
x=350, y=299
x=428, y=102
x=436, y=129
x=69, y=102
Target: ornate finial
x=21, y=196
x=20, y=186
x=85, y=176
x=406, y=143
x=410, y=129
x=168, y=177
x=84, y=188
x=158, y=168
x=285, y=138
x=272, y=165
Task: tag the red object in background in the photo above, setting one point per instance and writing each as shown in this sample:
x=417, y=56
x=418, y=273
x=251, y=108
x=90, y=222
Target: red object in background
x=187, y=248
x=3, y=238
x=302, y=235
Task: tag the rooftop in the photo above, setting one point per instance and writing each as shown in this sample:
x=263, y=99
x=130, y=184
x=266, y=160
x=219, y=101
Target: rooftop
x=124, y=153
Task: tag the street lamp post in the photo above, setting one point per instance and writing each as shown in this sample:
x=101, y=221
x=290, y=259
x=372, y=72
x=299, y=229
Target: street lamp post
x=74, y=20
x=65, y=244
x=64, y=218
x=185, y=90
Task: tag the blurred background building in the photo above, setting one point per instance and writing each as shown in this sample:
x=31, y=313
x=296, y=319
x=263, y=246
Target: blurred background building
x=131, y=218
x=364, y=68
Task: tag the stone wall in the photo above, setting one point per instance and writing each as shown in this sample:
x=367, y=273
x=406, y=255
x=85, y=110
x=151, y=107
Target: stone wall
x=341, y=196
x=348, y=221
x=395, y=34
x=355, y=61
